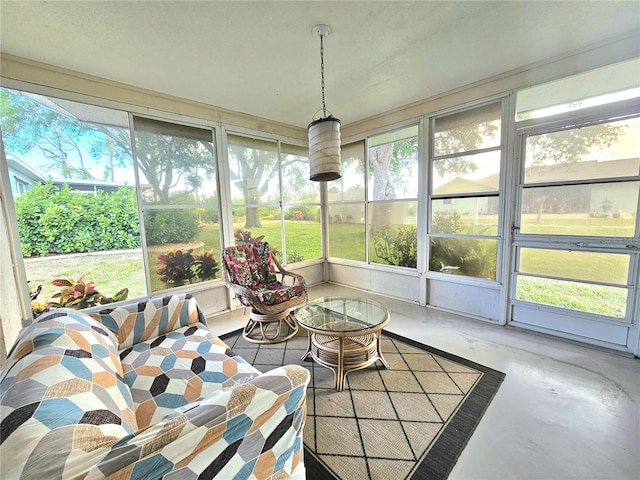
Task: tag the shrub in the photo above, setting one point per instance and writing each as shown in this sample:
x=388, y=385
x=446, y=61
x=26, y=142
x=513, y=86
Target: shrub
x=447, y=223
x=206, y=266
x=241, y=236
x=178, y=266
x=174, y=268
x=76, y=294
x=302, y=212
x=293, y=257
x=52, y=220
x=397, y=245
x=170, y=226
x=468, y=256
x=269, y=213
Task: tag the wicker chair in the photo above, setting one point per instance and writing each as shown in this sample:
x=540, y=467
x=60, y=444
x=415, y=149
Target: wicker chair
x=251, y=272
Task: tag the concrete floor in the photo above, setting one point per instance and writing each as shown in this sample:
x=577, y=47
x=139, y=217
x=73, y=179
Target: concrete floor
x=564, y=411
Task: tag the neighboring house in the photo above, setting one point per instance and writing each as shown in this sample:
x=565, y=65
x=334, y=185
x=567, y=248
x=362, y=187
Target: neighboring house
x=594, y=198
x=22, y=178
x=88, y=186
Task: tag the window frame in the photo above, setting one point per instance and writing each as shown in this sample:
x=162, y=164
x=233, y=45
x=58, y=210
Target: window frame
x=280, y=204
x=602, y=114
x=500, y=193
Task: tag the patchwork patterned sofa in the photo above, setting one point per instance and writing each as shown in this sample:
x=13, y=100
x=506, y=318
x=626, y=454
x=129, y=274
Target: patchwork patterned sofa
x=144, y=391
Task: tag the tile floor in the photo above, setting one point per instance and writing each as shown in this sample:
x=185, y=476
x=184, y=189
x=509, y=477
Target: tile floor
x=564, y=411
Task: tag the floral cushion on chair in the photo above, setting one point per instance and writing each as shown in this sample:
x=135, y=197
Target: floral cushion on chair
x=251, y=265
x=240, y=258
x=274, y=292
x=264, y=271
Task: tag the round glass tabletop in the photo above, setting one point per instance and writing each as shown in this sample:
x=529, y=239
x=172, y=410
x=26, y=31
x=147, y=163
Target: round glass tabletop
x=341, y=314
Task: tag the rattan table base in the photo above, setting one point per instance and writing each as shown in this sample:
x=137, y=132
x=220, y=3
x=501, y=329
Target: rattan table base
x=343, y=354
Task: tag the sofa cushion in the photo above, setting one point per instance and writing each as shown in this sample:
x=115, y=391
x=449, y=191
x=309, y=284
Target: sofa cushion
x=135, y=323
x=62, y=391
x=178, y=368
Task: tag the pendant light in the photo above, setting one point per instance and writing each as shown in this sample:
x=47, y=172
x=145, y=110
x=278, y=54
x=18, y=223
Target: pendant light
x=324, y=133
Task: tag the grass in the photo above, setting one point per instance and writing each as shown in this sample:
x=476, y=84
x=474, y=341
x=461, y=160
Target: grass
x=598, y=299
x=110, y=271
x=602, y=267
x=578, y=225
x=347, y=240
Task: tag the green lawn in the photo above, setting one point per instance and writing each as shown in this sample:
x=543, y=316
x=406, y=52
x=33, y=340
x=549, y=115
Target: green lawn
x=303, y=238
x=586, y=298
x=583, y=225
x=111, y=272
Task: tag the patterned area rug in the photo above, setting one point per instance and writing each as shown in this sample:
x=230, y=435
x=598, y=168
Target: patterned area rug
x=410, y=421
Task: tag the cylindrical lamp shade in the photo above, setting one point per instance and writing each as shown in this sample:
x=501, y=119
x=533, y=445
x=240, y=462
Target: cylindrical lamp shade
x=324, y=149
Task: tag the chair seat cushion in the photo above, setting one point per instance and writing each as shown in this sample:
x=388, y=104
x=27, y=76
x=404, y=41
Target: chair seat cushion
x=274, y=292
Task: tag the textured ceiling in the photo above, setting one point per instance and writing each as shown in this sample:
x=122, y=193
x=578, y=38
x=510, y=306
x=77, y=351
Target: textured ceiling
x=262, y=58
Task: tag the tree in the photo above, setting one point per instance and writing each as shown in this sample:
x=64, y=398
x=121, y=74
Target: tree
x=252, y=170
x=389, y=163
x=28, y=125
x=566, y=147
x=114, y=145
x=461, y=139
x=165, y=159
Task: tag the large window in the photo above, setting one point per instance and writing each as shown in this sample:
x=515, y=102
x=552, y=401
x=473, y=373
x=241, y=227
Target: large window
x=301, y=205
x=177, y=182
x=77, y=214
x=90, y=214
x=346, y=211
x=578, y=217
x=393, y=197
x=377, y=205
x=577, y=180
x=600, y=86
x=273, y=198
x=465, y=172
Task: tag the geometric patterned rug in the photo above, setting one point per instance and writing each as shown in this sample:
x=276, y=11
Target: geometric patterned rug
x=410, y=421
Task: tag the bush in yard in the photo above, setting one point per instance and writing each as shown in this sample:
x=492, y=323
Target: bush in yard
x=241, y=236
x=53, y=221
x=397, y=245
x=294, y=256
x=174, y=268
x=170, y=226
x=302, y=212
x=206, y=266
x=179, y=266
x=76, y=294
x=471, y=256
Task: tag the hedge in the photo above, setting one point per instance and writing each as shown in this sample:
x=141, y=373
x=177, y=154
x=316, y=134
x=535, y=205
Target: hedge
x=54, y=221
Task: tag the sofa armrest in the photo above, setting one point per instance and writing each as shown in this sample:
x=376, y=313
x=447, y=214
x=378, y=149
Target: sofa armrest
x=256, y=425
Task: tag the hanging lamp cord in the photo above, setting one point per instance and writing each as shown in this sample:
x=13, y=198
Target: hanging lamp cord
x=324, y=107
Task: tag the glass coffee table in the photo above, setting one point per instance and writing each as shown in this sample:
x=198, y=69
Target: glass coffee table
x=344, y=333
